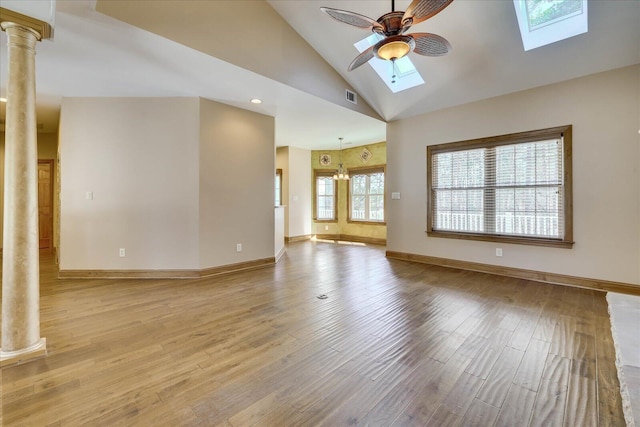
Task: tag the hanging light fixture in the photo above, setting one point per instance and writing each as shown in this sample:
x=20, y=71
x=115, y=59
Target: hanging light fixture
x=341, y=173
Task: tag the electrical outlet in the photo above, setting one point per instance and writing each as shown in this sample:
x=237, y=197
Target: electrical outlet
x=326, y=227
x=122, y=252
x=239, y=247
x=498, y=251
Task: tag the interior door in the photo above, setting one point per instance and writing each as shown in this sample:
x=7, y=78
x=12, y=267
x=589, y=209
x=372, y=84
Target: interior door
x=45, y=203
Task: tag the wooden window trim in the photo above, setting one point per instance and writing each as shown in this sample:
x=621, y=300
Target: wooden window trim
x=495, y=141
x=368, y=170
x=329, y=173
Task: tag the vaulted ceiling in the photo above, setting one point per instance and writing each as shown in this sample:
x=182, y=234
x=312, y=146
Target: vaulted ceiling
x=295, y=58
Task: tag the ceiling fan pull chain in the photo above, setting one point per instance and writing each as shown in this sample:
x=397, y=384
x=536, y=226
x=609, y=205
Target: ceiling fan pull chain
x=393, y=70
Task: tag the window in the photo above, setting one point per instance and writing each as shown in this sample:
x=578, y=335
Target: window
x=513, y=188
x=543, y=22
x=325, y=197
x=366, y=195
x=278, y=187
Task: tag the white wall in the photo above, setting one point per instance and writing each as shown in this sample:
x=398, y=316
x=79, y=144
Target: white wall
x=300, y=192
x=236, y=184
x=278, y=235
x=604, y=110
x=282, y=162
x=139, y=157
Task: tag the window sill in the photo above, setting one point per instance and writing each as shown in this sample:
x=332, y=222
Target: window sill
x=325, y=220
x=352, y=221
x=503, y=239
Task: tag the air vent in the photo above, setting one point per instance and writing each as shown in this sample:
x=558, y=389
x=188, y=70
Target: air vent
x=352, y=97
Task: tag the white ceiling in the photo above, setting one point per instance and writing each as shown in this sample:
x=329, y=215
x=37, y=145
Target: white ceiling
x=94, y=55
x=487, y=59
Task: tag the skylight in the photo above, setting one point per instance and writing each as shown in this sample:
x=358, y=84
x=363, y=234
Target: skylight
x=543, y=22
x=406, y=75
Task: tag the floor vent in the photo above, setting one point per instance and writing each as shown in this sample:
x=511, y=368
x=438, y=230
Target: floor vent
x=352, y=97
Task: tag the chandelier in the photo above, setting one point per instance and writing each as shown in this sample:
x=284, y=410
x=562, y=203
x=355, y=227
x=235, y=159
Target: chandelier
x=341, y=174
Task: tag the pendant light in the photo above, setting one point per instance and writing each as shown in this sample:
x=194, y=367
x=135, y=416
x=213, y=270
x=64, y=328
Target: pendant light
x=341, y=174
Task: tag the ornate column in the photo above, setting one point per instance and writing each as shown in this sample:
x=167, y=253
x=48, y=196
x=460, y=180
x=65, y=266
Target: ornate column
x=20, y=262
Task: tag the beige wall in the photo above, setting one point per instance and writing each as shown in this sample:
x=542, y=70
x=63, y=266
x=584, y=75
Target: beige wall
x=139, y=157
x=604, y=111
x=47, y=149
x=296, y=190
x=177, y=182
x=282, y=162
x=350, y=159
x=236, y=185
x=299, y=202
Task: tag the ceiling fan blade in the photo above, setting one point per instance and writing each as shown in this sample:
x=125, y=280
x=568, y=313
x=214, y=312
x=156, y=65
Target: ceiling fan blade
x=428, y=44
x=363, y=58
x=421, y=10
x=352, y=18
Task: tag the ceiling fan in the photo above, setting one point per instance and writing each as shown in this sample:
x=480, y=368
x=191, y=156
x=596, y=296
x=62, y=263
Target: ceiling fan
x=392, y=26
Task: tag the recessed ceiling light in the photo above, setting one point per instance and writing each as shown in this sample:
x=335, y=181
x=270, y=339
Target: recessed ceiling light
x=256, y=101
x=3, y=99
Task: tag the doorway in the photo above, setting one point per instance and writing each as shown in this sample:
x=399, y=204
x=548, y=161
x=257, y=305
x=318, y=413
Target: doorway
x=45, y=204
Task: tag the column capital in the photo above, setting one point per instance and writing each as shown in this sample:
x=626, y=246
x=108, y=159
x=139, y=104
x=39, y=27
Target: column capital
x=9, y=18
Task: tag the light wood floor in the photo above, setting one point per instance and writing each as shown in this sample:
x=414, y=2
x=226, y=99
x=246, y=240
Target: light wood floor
x=395, y=343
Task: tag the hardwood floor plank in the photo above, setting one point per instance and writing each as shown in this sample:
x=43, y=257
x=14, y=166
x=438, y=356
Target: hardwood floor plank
x=462, y=394
x=517, y=407
x=523, y=333
x=497, y=384
x=562, y=342
x=443, y=416
x=549, y=406
x=390, y=407
x=544, y=328
x=581, y=407
x=396, y=343
x=483, y=362
x=530, y=370
x=609, y=399
x=480, y=414
x=254, y=412
x=427, y=399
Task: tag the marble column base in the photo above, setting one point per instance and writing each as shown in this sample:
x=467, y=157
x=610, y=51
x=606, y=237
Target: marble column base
x=25, y=354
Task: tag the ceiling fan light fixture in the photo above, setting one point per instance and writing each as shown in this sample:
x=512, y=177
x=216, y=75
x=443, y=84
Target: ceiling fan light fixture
x=394, y=50
x=392, y=26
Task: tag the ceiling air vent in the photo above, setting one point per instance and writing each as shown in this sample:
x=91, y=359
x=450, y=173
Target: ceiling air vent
x=352, y=97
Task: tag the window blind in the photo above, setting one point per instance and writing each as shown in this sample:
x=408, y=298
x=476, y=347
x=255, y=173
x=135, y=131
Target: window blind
x=510, y=189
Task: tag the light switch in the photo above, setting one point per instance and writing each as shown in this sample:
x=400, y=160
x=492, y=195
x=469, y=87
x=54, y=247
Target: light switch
x=88, y=195
x=395, y=195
